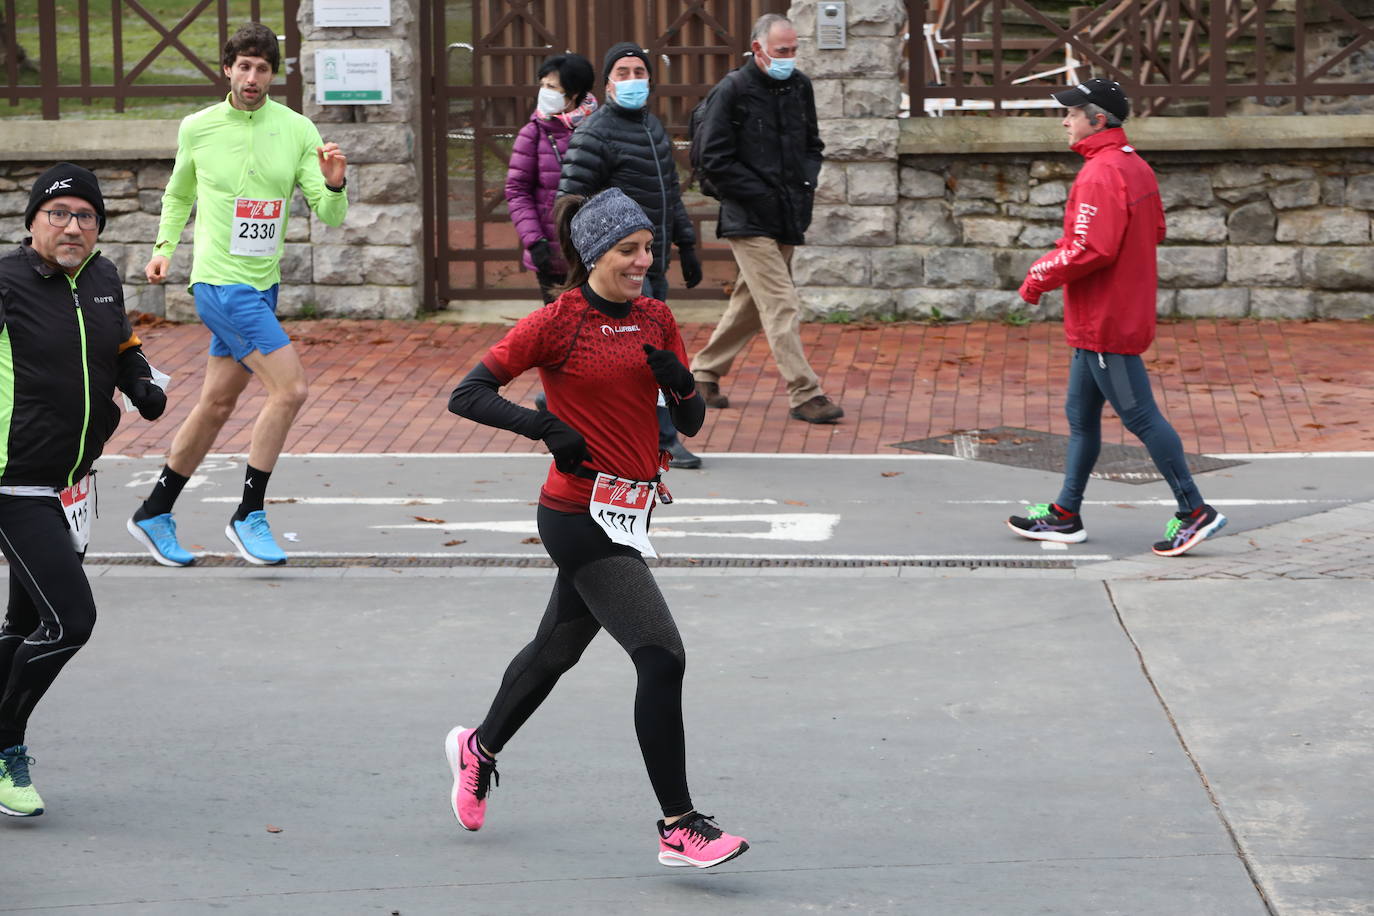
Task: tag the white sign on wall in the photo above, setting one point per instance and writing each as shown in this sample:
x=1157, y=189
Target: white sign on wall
x=345, y=13
x=353, y=76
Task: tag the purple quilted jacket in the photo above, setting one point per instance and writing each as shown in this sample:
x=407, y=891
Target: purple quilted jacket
x=532, y=184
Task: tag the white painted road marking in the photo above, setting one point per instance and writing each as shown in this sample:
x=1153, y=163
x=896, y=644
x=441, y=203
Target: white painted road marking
x=801, y=526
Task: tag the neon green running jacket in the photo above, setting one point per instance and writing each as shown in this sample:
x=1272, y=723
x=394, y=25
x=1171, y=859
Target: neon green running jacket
x=240, y=169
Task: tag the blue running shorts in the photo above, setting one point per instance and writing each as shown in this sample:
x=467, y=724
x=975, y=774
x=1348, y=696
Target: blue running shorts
x=241, y=319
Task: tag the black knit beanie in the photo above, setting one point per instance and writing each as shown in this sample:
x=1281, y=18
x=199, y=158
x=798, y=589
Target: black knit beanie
x=66, y=180
x=624, y=49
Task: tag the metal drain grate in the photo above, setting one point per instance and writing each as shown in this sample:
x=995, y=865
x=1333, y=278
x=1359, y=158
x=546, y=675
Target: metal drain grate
x=1033, y=448
x=664, y=562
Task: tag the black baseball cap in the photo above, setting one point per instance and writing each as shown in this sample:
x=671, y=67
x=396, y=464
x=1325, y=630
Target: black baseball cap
x=1105, y=94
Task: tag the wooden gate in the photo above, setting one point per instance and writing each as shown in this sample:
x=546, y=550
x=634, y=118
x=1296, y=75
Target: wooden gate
x=480, y=58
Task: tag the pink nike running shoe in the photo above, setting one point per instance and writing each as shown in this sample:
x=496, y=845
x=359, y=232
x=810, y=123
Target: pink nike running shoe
x=473, y=777
x=696, y=841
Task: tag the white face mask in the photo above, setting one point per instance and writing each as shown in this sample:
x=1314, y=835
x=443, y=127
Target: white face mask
x=551, y=101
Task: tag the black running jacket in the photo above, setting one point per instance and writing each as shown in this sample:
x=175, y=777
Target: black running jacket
x=65, y=343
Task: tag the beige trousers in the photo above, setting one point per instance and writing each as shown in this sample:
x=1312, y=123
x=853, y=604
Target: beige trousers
x=764, y=299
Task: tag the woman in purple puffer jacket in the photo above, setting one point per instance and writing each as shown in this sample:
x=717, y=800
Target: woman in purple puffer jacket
x=565, y=82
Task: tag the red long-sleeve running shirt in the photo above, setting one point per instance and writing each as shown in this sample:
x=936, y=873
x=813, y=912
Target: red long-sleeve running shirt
x=596, y=380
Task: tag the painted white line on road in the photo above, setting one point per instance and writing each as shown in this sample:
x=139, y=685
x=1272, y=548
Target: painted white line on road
x=800, y=526
x=443, y=500
x=793, y=557
x=1142, y=502
x=1053, y=545
x=1265, y=456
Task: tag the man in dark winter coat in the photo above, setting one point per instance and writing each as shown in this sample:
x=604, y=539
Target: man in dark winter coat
x=760, y=148
x=66, y=345
x=623, y=145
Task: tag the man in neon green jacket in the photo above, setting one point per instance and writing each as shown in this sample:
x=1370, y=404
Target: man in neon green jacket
x=239, y=161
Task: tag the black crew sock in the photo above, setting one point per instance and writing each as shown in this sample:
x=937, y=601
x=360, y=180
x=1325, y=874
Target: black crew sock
x=254, y=489
x=164, y=495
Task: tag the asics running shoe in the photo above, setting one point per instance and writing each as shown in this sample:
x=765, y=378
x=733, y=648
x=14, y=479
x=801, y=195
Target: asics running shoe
x=253, y=539
x=18, y=797
x=1048, y=522
x=696, y=841
x=158, y=533
x=1188, y=529
x=473, y=776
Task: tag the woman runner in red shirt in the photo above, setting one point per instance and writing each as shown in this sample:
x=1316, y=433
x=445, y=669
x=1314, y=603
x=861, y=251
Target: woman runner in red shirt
x=603, y=351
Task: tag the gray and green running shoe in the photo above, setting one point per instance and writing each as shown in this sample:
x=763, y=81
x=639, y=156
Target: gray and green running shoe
x=1048, y=522
x=18, y=797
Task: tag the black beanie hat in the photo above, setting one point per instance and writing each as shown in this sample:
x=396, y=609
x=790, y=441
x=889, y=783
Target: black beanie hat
x=624, y=49
x=66, y=180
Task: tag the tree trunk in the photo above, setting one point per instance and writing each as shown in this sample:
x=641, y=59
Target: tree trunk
x=22, y=57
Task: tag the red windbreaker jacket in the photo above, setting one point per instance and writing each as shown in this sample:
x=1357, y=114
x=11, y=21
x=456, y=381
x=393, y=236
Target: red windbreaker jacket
x=1106, y=258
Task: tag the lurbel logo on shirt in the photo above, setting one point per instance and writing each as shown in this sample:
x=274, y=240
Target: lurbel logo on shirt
x=104, y=299
x=609, y=331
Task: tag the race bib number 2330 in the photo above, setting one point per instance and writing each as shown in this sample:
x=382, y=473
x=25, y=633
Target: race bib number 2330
x=256, y=230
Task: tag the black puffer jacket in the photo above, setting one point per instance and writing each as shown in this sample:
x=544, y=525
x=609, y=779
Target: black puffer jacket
x=630, y=150
x=761, y=148
x=67, y=344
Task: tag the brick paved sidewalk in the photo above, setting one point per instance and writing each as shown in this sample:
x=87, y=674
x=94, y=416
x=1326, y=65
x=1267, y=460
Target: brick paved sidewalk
x=1227, y=386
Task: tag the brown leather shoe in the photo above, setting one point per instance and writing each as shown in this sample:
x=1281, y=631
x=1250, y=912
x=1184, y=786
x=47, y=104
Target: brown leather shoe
x=819, y=409
x=710, y=393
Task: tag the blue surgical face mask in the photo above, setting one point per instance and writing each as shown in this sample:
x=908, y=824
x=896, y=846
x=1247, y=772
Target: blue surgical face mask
x=780, y=68
x=632, y=94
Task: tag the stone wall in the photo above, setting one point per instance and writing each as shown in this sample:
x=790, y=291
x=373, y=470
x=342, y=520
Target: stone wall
x=1284, y=234
x=1256, y=228
x=367, y=268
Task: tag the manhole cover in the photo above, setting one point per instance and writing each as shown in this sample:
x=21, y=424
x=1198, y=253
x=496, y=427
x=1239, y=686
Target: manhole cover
x=1033, y=448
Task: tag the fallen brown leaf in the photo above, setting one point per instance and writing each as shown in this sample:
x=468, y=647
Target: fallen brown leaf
x=454, y=543
x=530, y=541
x=428, y=520
x=272, y=829
x=794, y=502
x=893, y=473
x=1315, y=425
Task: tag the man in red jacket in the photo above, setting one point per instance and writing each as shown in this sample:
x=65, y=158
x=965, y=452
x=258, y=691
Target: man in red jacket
x=1105, y=262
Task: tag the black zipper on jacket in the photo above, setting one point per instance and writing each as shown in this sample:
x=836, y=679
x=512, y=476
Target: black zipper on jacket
x=662, y=193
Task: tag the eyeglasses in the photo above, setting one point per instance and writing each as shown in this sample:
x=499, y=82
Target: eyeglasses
x=60, y=218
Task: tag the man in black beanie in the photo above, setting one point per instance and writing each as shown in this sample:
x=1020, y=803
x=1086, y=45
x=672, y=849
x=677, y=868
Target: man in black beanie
x=622, y=145
x=67, y=180
x=69, y=345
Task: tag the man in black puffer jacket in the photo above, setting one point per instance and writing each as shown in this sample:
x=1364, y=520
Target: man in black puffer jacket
x=65, y=344
x=760, y=147
x=622, y=145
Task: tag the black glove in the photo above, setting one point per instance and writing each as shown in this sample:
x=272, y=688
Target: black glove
x=566, y=444
x=669, y=371
x=541, y=255
x=150, y=400
x=691, y=265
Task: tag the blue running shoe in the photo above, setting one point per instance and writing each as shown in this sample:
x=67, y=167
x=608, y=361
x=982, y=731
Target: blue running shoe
x=253, y=538
x=159, y=535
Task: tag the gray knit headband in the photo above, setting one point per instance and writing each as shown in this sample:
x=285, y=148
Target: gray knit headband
x=604, y=220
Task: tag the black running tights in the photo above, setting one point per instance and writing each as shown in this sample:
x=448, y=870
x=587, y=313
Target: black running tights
x=602, y=584
x=51, y=611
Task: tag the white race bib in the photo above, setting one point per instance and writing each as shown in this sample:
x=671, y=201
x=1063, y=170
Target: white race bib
x=621, y=507
x=76, y=503
x=256, y=230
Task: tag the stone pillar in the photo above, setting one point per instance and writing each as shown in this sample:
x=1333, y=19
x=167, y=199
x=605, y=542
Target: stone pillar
x=370, y=266
x=852, y=264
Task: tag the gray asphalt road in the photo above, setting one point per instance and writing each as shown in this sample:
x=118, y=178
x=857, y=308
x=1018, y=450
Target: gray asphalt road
x=890, y=739
x=815, y=506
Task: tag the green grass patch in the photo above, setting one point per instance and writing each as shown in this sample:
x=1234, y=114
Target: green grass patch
x=170, y=66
